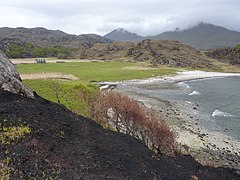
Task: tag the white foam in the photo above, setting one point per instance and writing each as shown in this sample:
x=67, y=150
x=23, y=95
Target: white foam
x=104, y=87
x=221, y=114
x=194, y=93
x=183, y=85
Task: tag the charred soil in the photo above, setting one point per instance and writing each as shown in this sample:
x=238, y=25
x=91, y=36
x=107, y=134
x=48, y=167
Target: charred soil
x=62, y=145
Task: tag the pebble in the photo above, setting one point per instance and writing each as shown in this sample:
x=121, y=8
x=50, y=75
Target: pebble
x=225, y=141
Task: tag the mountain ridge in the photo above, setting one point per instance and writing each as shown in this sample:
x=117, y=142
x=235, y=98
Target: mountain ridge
x=43, y=37
x=203, y=36
x=121, y=34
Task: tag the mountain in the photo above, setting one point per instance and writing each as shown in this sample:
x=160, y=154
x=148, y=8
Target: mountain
x=123, y=35
x=47, y=38
x=203, y=36
x=164, y=52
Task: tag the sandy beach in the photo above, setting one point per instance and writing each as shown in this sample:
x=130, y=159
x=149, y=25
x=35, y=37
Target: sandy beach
x=182, y=76
x=212, y=148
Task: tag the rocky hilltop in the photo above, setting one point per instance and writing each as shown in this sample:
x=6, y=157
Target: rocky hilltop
x=226, y=55
x=157, y=52
x=10, y=79
x=47, y=38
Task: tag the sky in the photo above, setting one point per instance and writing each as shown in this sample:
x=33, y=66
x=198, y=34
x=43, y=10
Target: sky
x=145, y=17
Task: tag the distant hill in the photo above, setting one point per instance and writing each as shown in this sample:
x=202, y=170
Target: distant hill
x=164, y=52
x=123, y=35
x=203, y=36
x=47, y=38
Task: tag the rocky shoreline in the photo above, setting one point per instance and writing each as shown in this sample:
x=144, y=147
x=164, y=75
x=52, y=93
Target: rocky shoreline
x=211, y=148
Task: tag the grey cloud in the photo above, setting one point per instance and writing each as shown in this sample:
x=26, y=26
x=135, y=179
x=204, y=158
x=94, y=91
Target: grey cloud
x=145, y=17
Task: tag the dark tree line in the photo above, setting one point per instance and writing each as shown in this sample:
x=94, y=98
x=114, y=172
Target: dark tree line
x=28, y=50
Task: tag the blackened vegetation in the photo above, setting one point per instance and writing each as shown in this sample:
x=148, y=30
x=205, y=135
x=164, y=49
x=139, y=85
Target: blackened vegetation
x=62, y=145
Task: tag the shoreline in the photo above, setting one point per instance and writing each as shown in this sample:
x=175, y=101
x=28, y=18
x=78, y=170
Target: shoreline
x=210, y=148
x=181, y=77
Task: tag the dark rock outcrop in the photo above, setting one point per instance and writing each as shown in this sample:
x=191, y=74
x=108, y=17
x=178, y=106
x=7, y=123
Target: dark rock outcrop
x=226, y=55
x=10, y=79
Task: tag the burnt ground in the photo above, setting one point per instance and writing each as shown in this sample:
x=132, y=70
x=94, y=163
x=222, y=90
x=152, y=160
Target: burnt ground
x=62, y=145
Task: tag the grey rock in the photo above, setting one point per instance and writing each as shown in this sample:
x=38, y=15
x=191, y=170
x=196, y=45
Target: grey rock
x=10, y=79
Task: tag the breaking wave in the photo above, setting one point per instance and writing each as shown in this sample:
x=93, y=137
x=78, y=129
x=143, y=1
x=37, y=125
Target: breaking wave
x=221, y=114
x=183, y=85
x=194, y=93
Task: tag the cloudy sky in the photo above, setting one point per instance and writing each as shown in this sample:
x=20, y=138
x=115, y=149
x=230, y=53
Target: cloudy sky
x=145, y=17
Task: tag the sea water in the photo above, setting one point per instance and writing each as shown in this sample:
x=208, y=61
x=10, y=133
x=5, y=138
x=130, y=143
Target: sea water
x=216, y=101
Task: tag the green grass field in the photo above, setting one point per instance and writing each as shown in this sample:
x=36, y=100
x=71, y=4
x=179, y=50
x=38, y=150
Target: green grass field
x=98, y=71
x=71, y=93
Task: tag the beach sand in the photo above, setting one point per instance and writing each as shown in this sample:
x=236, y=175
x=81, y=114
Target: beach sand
x=213, y=148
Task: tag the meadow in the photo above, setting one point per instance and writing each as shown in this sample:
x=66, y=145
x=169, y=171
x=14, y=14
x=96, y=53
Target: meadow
x=74, y=93
x=99, y=71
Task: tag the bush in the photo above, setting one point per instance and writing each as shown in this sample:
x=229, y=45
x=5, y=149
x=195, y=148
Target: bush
x=237, y=47
x=126, y=115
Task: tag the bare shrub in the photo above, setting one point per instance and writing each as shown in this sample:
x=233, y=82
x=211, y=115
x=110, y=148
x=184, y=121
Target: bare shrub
x=126, y=115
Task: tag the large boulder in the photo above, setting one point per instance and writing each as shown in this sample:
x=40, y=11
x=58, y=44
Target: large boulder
x=10, y=79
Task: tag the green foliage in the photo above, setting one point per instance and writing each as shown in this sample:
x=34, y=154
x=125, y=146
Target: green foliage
x=5, y=170
x=10, y=134
x=29, y=50
x=12, y=131
x=237, y=47
x=15, y=51
x=73, y=96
